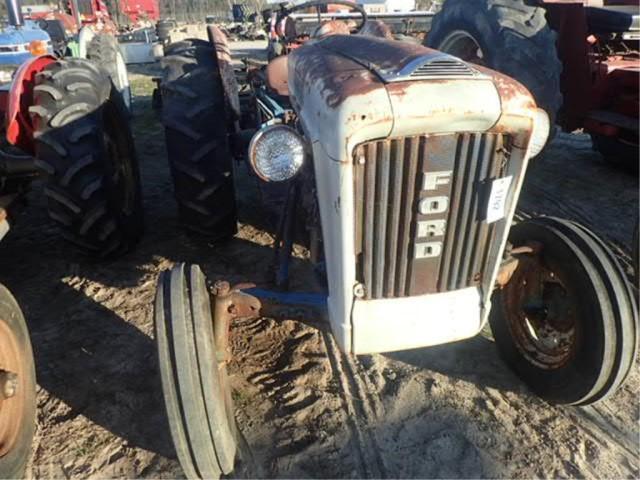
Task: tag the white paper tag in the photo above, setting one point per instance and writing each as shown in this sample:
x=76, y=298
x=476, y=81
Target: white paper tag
x=498, y=198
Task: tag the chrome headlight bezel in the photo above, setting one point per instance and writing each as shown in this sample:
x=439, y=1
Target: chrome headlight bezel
x=540, y=133
x=272, y=133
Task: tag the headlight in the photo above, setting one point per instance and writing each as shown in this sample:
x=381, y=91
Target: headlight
x=540, y=134
x=6, y=73
x=276, y=153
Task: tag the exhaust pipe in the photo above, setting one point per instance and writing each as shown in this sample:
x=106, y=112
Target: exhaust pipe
x=75, y=10
x=14, y=12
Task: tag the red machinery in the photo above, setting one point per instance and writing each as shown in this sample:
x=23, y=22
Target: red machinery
x=140, y=10
x=580, y=59
x=598, y=46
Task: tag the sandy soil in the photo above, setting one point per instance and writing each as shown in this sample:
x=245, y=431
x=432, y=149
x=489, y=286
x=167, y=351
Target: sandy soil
x=304, y=408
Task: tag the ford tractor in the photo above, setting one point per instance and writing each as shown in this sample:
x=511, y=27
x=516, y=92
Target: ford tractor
x=402, y=167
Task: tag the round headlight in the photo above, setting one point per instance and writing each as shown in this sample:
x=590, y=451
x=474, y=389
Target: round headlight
x=540, y=134
x=276, y=153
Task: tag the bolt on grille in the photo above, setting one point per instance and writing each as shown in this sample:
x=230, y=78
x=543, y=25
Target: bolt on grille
x=403, y=250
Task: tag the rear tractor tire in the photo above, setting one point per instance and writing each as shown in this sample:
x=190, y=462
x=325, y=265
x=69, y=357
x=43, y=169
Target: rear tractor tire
x=510, y=36
x=105, y=52
x=196, y=132
x=18, y=389
x=84, y=143
x=566, y=322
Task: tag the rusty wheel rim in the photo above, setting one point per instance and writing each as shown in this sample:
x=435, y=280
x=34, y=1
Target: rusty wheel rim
x=461, y=44
x=12, y=388
x=542, y=315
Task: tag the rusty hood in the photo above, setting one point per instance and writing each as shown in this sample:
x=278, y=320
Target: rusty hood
x=348, y=89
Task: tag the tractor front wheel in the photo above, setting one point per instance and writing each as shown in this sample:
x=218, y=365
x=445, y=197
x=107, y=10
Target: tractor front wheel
x=566, y=321
x=83, y=142
x=17, y=389
x=194, y=376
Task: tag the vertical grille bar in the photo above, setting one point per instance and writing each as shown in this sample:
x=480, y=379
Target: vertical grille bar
x=393, y=232
x=480, y=246
x=369, y=213
x=478, y=168
x=408, y=182
x=380, y=219
x=461, y=234
x=454, y=204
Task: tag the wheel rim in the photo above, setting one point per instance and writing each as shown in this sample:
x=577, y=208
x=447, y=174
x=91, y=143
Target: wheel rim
x=463, y=45
x=542, y=314
x=121, y=174
x=12, y=388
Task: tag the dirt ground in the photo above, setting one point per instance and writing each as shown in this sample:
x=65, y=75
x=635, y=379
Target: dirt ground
x=304, y=408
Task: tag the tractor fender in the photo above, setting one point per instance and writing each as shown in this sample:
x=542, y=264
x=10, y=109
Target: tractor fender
x=223, y=59
x=18, y=122
x=84, y=39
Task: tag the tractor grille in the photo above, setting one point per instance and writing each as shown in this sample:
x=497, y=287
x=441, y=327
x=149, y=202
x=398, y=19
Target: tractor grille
x=402, y=251
x=442, y=68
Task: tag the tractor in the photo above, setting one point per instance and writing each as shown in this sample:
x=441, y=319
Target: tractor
x=84, y=29
x=402, y=167
x=17, y=383
x=65, y=121
x=65, y=126
x=580, y=59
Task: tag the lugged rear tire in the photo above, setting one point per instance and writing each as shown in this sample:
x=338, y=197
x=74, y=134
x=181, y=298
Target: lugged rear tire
x=186, y=44
x=83, y=142
x=604, y=334
x=18, y=412
x=104, y=51
x=193, y=114
x=515, y=39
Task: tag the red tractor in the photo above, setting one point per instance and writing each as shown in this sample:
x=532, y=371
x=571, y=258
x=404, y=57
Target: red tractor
x=580, y=59
x=65, y=120
x=65, y=123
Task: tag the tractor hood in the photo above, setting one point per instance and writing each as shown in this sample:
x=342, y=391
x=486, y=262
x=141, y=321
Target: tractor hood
x=348, y=89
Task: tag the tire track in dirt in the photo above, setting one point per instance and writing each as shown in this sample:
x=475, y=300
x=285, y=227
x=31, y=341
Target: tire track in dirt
x=362, y=408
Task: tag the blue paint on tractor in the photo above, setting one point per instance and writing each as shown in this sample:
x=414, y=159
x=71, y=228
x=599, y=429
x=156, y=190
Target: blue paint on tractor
x=14, y=44
x=291, y=305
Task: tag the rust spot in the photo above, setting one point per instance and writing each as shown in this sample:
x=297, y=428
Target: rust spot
x=513, y=94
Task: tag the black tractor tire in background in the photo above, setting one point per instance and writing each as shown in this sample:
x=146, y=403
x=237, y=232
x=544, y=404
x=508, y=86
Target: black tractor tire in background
x=18, y=412
x=104, y=51
x=514, y=38
x=186, y=44
x=595, y=293
x=193, y=114
x=164, y=28
x=83, y=142
x=618, y=153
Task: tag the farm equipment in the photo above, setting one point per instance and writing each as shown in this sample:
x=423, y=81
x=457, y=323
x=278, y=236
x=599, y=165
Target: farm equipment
x=17, y=382
x=403, y=165
x=65, y=121
x=85, y=29
x=580, y=59
x=17, y=388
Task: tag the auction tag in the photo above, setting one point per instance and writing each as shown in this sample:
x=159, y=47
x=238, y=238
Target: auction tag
x=498, y=198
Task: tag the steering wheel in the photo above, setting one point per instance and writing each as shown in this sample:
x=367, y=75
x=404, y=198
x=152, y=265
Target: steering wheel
x=323, y=3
